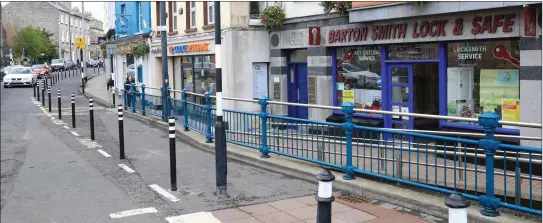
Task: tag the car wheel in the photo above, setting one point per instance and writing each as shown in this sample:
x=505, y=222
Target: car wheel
x=5, y=86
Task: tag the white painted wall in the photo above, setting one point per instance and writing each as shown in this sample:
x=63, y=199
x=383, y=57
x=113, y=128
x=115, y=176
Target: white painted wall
x=301, y=9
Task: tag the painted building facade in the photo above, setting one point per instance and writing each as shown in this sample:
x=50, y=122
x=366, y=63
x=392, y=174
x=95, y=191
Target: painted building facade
x=446, y=58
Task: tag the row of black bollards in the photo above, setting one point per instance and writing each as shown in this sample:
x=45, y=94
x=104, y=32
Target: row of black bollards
x=91, y=113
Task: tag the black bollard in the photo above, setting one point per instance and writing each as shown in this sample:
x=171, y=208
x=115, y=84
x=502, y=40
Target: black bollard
x=324, y=196
x=91, y=111
x=173, y=165
x=59, y=105
x=43, y=96
x=34, y=87
x=121, y=129
x=49, y=97
x=38, y=86
x=458, y=208
x=73, y=111
x=82, y=84
x=113, y=95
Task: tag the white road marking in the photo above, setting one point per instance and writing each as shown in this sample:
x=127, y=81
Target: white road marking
x=194, y=218
x=89, y=143
x=163, y=192
x=58, y=122
x=74, y=133
x=128, y=169
x=52, y=118
x=103, y=153
x=66, y=127
x=127, y=213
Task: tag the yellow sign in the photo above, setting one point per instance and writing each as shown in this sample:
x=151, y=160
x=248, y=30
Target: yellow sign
x=348, y=96
x=510, y=110
x=80, y=43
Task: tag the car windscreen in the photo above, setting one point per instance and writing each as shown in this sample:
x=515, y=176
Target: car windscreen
x=38, y=66
x=57, y=61
x=6, y=69
x=20, y=70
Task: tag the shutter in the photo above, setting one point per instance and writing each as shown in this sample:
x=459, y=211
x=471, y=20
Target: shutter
x=170, y=17
x=205, y=13
x=187, y=14
x=157, y=12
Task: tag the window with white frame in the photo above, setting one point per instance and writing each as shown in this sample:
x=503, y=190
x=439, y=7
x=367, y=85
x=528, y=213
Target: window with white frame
x=174, y=14
x=192, y=14
x=210, y=12
x=60, y=19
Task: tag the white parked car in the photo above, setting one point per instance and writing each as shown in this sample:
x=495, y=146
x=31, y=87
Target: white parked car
x=360, y=77
x=20, y=76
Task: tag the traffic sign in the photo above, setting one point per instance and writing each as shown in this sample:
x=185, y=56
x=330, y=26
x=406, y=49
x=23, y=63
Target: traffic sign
x=80, y=43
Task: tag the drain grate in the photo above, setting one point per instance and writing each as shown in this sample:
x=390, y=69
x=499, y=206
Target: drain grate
x=354, y=199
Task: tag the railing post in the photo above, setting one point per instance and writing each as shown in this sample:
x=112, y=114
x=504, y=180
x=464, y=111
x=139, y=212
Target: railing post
x=143, y=99
x=348, y=126
x=133, y=97
x=209, y=139
x=264, y=150
x=185, y=110
x=489, y=120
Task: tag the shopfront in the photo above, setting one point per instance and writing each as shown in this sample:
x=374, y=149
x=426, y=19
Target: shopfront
x=460, y=64
x=191, y=66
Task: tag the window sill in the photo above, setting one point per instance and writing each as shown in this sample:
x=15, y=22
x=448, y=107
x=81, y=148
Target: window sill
x=208, y=26
x=172, y=33
x=191, y=30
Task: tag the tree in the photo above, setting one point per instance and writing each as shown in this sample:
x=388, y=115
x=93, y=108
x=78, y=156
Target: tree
x=36, y=42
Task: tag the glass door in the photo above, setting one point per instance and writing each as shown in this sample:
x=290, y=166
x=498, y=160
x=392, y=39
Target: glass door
x=401, y=94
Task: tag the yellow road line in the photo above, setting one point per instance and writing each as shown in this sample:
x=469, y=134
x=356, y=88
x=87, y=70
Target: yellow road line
x=44, y=111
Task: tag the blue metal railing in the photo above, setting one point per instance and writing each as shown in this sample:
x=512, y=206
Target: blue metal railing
x=493, y=173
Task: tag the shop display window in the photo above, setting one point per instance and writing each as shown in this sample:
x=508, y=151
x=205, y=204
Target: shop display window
x=423, y=51
x=358, y=76
x=484, y=76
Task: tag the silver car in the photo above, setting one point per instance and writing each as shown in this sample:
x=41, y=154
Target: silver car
x=20, y=76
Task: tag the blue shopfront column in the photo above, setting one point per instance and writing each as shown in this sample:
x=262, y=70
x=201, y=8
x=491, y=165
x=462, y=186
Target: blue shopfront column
x=489, y=121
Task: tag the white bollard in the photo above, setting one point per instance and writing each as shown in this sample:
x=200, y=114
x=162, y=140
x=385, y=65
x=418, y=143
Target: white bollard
x=458, y=208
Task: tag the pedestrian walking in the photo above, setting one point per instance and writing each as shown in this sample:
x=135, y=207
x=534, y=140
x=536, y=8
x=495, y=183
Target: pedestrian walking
x=127, y=85
x=110, y=82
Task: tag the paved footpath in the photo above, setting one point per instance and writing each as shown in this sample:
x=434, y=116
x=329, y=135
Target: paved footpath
x=256, y=195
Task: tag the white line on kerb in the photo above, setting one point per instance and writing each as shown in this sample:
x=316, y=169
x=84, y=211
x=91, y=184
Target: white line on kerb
x=163, y=192
x=103, y=153
x=128, y=169
x=66, y=127
x=74, y=133
x=194, y=218
x=127, y=213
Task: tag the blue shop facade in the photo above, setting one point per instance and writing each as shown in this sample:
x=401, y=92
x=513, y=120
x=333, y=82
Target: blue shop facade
x=457, y=64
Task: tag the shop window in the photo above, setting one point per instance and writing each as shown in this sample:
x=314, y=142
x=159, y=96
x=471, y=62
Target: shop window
x=204, y=71
x=358, y=77
x=413, y=52
x=484, y=76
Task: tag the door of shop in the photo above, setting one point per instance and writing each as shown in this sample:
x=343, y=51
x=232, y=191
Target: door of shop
x=297, y=90
x=401, y=95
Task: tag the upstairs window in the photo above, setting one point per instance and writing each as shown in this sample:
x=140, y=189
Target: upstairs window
x=192, y=14
x=140, y=16
x=174, y=15
x=210, y=12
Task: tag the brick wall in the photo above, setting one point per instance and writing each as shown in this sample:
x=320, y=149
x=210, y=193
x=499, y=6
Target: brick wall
x=366, y=4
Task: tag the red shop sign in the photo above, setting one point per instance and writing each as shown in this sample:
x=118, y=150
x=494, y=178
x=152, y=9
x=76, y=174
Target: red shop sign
x=314, y=35
x=426, y=28
x=529, y=21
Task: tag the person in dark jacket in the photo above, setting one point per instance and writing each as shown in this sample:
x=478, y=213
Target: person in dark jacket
x=129, y=94
x=110, y=83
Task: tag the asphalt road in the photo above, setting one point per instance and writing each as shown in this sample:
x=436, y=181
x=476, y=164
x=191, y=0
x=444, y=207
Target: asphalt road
x=53, y=173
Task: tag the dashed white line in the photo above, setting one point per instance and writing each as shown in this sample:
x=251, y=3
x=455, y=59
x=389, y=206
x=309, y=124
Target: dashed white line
x=66, y=127
x=128, y=169
x=103, y=153
x=194, y=218
x=127, y=213
x=164, y=193
x=52, y=118
x=74, y=133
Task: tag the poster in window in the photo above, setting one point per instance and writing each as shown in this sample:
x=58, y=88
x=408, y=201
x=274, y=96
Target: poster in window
x=348, y=96
x=496, y=85
x=511, y=110
x=260, y=80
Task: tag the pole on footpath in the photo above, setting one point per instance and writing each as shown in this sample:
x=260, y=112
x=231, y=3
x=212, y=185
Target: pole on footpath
x=43, y=96
x=164, y=59
x=121, y=130
x=458, y=208
x=220, y=137
x=49, y=97
x=59, y=105
x=73, y=111
x=173, y=164
x=324, y=196
x=113, y=94
x=34, y=85
x=83, y=82
x=91, y=111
